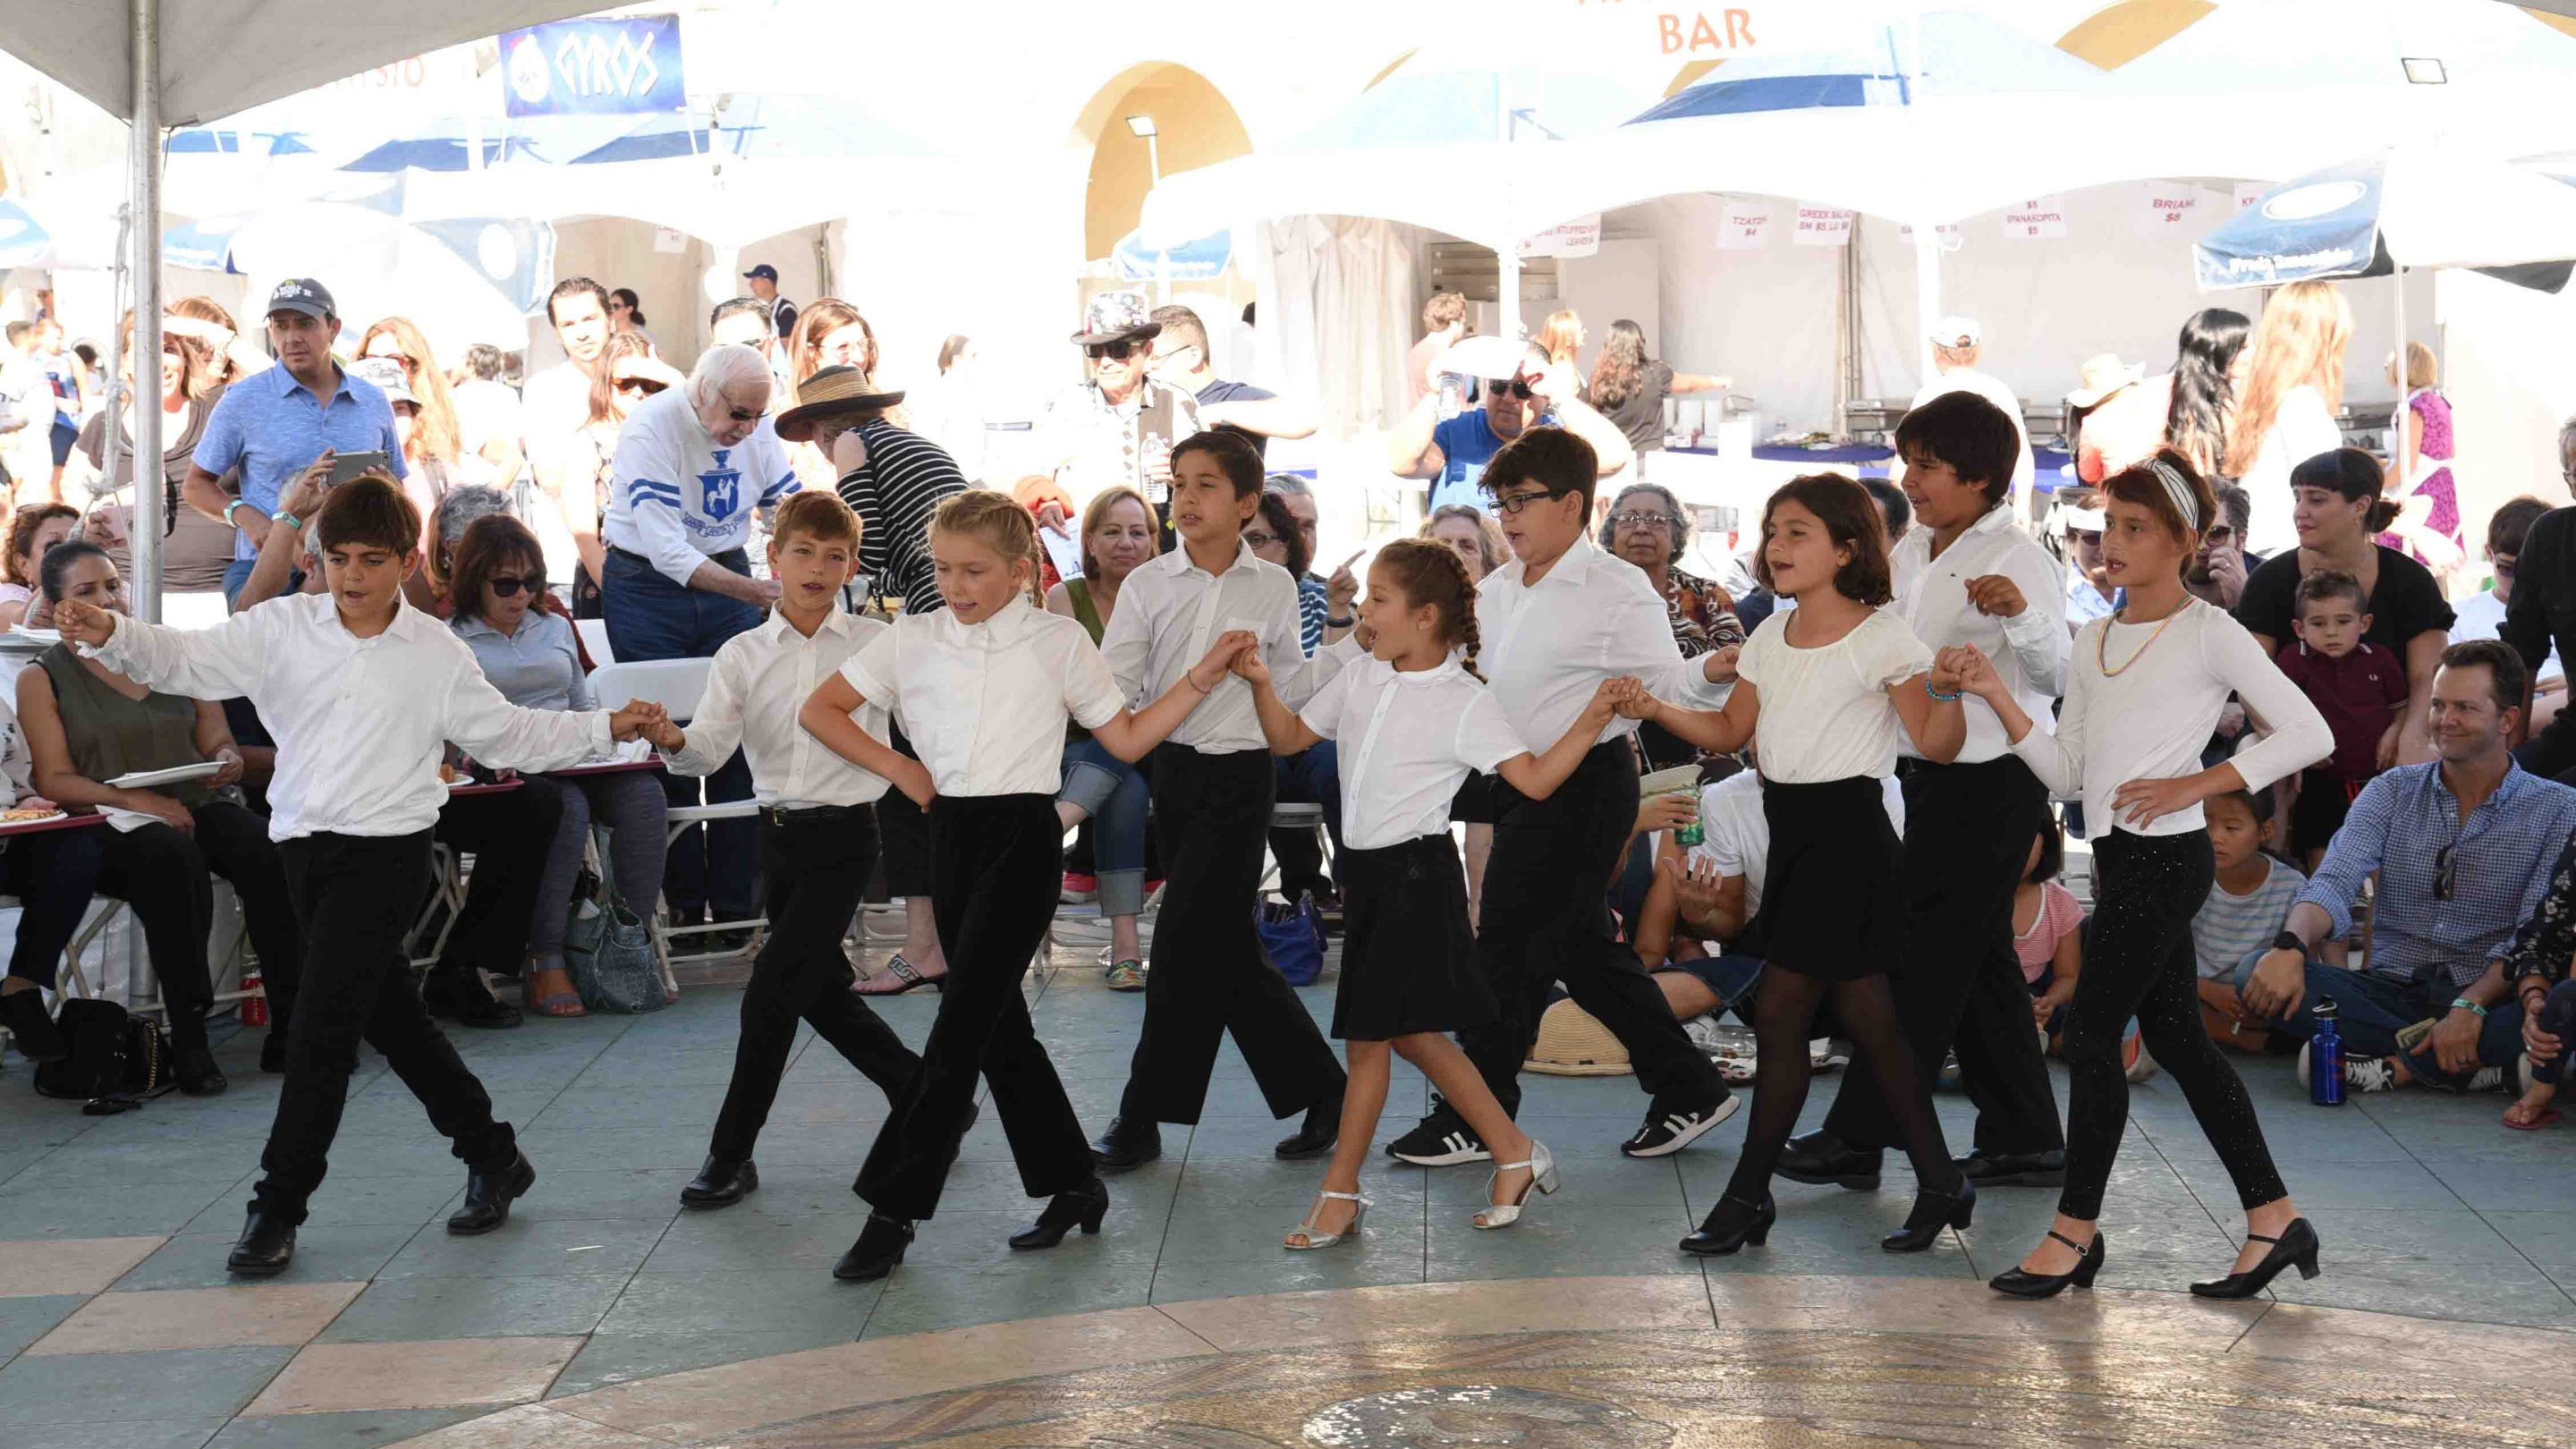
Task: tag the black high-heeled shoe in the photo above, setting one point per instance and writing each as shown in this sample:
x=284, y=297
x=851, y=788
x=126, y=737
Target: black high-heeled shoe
x=2297, y=1246
x=1732, y=1224
x=879, y=1248
x=1084, y=1207
x=2022, y=1284
x=1933, y=1211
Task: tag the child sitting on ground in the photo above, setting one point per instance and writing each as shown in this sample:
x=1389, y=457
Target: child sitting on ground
x=2358, y=686
x=2048, y=931
x=2249, y=903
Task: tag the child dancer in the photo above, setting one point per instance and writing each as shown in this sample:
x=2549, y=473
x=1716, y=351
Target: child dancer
x=984, y=688
x=1415, y=725
x=1823, y=692
x=1212, y=788
x=2139, y=708
x=361, y=691
x=817, y=831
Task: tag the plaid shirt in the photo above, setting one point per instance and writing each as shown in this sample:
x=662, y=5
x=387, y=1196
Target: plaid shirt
x=2398, y=827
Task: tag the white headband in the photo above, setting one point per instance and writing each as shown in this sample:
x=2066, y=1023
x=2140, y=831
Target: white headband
x=2180, y=493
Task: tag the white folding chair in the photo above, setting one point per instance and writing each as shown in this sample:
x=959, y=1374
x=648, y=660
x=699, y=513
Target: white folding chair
x=594, y=637
x=677, y=685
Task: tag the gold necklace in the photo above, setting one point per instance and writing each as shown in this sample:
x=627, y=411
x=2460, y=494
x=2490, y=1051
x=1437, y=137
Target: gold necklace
x=2102, y=643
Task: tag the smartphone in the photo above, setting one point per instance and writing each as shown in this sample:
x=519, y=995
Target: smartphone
x=345, y=466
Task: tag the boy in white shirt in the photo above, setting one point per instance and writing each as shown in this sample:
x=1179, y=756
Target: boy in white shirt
x=817, y=832
x=362, y=693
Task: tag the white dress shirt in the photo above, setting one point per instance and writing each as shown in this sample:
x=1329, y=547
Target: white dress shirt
x=759, y=680
x=1409, y=740
x=1170, y=611
x=1547, y=646
x=986, y=704
x=2028, y=649
x=360, y=724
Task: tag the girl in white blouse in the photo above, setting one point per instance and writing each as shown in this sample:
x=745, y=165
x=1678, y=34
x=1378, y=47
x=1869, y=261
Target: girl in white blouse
x=983, y=689
x=1823, y=692
x=2143, y=693
x=1414, y=721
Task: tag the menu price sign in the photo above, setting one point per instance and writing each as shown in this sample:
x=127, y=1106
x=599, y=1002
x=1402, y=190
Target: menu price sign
x=1824, y=226
x=2039, y=219
x=1744, y=227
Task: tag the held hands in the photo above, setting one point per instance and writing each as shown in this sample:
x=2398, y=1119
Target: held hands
x=1718, y=665
x=1607, y=699
x=637, y=720
x=1996, y=596
x=1223, y=655
x=2143, y=802
x=1943, y=676
x=84, y=623
x=1251, y=668
x=667, y=737
x=1970, y=670
x=1629, y=697
x=2280, y=979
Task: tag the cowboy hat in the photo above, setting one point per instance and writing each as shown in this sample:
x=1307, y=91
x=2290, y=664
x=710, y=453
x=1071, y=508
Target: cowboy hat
x=831, y=393
x=1115, y=315
x=2104, y=374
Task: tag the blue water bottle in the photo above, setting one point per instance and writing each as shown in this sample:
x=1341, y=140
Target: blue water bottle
x=2325, y=1056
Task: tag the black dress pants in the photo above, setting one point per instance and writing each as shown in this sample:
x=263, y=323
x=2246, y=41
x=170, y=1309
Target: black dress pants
x=1210, y=975
x=1545, y=919
x=814, y=865
x=354, y=898
x=994, y=875
x=906, y=832
x=1968, y=831
x=509, y=835
x=167, y=879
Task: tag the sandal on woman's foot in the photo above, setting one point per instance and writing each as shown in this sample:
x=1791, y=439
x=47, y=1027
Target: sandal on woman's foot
x=897, y=978
x=2533, y=1121
x=1127, y=976
x=541, y=1002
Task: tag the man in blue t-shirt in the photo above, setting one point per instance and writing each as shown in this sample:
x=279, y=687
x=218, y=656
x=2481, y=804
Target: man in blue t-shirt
x=1180, y=360
x=1452, y=453
x=275, y=424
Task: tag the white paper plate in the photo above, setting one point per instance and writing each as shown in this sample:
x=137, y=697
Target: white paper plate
x=37, y=636
x=145, y=779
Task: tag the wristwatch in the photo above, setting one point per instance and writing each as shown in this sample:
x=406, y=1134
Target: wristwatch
x=2289, y=941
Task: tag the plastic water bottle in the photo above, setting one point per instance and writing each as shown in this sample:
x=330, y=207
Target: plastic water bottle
x=2325, y=1056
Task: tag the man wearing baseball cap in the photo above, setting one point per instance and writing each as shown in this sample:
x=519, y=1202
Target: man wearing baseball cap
x=782, y=313
x=1956, y=344
x=273, y=425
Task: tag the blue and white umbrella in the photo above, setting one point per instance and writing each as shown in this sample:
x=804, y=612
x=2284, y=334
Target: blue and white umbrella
x=24, y=241
x=2408, y=208
x=1197, y=260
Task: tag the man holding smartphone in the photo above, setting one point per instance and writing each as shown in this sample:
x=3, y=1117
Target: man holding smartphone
x=273, y=425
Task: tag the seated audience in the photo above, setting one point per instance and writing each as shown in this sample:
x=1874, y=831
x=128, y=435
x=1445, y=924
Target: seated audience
x=457, y=510
x=2463, y=849
x=1648, y=528
x=2248, y=905
x=87, y=725
x=2481, y=616
x=2358, y=686
x=1472, y=534
x=1117, y=534
x=32, y=530
x=529, y=651
x=2089, y=594
x=2539, y=965
x=2048, y=930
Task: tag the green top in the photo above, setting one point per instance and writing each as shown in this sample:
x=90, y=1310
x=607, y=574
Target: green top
x=1078, y=591
x=112, y=735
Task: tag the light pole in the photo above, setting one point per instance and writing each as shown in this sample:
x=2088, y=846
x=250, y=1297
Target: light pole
x=1143, y=126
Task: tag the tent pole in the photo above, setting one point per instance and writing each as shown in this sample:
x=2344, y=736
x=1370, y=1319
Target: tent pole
x=150, y=512
x=2397, y=419
x=1507, y=290
x=1927, y=294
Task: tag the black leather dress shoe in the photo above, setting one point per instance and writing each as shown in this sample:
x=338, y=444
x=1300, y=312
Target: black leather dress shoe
x=488, y=1196
x=1083, y=1207
x=267, y=1245
x=197, y=1073
x=720, y=1183
x=879, y=1248
x=1821, y=1157
x=1127, y=1143
x=1932, y=1212
x=467, y=1004
x=2014, y=1169
x=1316, y=1135
x=272, y=1051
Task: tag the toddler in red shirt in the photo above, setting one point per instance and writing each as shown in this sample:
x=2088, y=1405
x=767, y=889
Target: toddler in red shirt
x=2357, y=685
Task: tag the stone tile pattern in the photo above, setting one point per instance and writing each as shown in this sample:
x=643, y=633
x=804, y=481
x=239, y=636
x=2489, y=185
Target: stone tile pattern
x=2430, y=1211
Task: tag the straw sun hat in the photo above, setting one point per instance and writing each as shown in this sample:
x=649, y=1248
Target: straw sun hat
x=834, y=392
x=1573, y=1043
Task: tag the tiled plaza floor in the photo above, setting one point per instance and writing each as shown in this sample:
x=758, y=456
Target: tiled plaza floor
x=119, y=1328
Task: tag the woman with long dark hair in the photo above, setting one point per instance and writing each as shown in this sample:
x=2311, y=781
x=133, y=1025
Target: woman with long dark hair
x=195, y=549
x=1629, y=388
x=2208, y=359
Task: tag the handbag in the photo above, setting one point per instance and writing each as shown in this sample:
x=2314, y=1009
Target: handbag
x=116, y=1062
x=609, y=952
x=1292, y=935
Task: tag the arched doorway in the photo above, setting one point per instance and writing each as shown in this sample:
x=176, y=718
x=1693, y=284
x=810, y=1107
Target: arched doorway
x=1194, y=125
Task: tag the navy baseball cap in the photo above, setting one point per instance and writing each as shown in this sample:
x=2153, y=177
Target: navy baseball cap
x=305, y=295
x=764, y=272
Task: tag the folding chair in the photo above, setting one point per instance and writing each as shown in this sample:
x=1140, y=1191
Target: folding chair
x=677, y=685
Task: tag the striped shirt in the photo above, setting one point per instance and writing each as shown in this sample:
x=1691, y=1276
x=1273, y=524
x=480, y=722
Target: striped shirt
x=894, y=492
x=2231, y=927
x=1314, y=606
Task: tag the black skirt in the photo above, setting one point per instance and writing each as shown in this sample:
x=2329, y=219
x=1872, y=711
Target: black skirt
x=1833, y=892
x=1408, y=958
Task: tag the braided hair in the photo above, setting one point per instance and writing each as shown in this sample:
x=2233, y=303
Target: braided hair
x=1430, y=575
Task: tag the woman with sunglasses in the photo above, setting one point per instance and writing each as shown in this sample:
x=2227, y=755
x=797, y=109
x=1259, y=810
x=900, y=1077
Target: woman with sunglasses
x=529, y=651
x=433, y=437
x=576, y=477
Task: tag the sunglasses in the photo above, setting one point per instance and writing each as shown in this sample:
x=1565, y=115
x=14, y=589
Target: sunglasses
x=1118, y=351
x=739, y=416
x=507, y=585
x=2446, y=872
x=1516, y=388
x=1513, y=503
x=640, y=386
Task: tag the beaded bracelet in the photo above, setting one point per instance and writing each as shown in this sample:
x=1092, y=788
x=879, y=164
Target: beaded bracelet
x=1951, y=698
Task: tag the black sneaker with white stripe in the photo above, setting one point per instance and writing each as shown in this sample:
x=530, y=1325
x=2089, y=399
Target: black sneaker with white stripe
x=1442, y=1139
x=1671, y=1126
